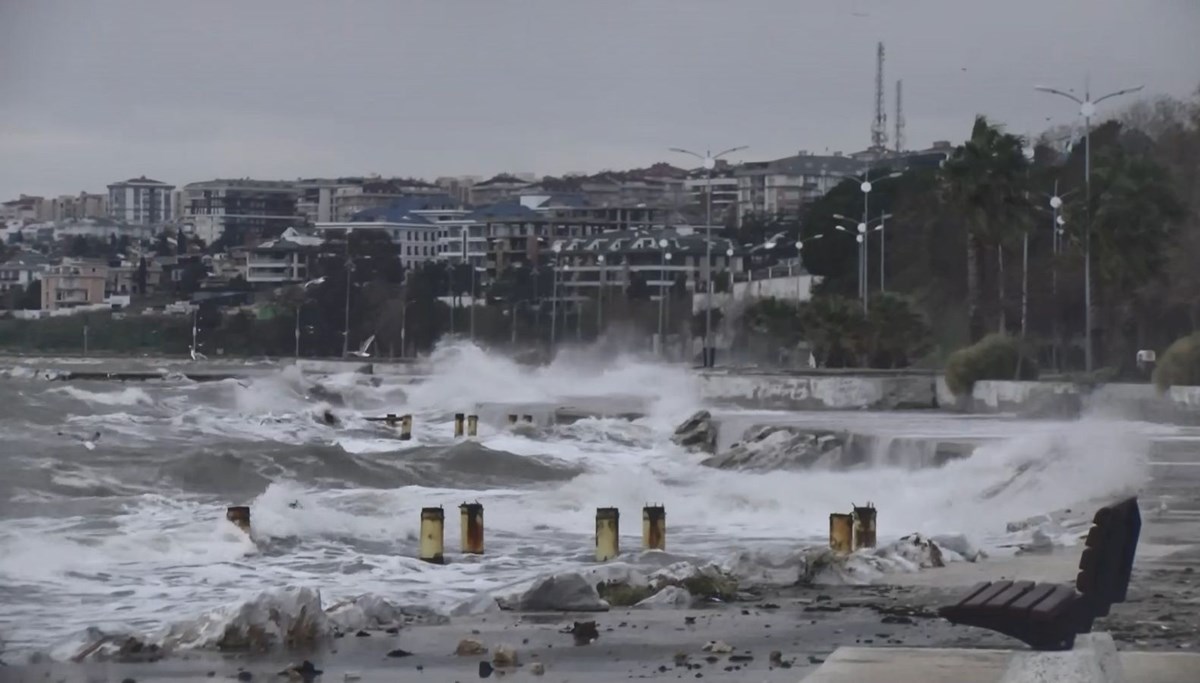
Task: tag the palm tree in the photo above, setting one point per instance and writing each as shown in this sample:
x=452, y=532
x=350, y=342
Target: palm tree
x=983, y=182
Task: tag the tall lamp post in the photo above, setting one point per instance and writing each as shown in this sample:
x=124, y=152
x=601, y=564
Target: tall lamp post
x=662, y=298
x=557, y=249
x=862, y=231
x=600, y=294
x=709, y=160
x=865, y=186
x=1087, y=109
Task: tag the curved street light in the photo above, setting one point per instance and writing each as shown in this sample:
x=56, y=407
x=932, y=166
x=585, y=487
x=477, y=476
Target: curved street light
x=709, y=161
x=1087, y=109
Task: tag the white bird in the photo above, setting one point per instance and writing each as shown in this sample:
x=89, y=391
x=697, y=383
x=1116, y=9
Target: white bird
x=364, y=350
x=314, y=282
x=196, y=355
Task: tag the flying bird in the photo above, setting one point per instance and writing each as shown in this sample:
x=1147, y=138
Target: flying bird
x=196, y=355
x=364, y=351
x=314, y=282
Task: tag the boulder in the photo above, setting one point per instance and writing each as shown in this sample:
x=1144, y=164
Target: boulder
x=697, y=433
x=774, y=447
x=568, y=592
x=365, y=612
x=671, y=597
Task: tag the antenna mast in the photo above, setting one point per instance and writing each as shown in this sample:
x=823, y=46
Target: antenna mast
x=899, y=141
x=879, y=127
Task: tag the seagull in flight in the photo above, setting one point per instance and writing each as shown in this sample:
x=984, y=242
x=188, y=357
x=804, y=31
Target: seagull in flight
x=314, y=282
x=364, y=351
x=196, y=355
x=89, y=442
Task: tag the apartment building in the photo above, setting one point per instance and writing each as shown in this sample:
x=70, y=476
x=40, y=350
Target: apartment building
x=423, y=227
x=70, y=207
x=241, y=211
x=282, y=260
x=27, y=209
x=74, y=283
x=22, y=269
x=140, y=201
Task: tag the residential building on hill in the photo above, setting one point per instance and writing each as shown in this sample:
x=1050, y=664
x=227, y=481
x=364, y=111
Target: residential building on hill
x=21, y=269
x=424, y=228
x=75, y=207
x=241, y=210
x=74, y=283
x=140, y=201
x=283, y=259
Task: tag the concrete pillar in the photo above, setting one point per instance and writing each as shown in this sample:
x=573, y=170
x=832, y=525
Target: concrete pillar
x=608, y=523
x=864, y=526
x=527, y=418
x=458, y=425
x=841, y=532
x=654, y=527
x=472, y=528
x=405, y=427
x=240, y=516
x=472, y=425
x=512, y=418
x=433, y=525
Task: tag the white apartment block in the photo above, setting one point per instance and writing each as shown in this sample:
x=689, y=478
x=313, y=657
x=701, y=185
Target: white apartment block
x=140, y=201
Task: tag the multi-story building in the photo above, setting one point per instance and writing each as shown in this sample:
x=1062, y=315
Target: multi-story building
x=75, y=207
x=281, y=260
x=376, y=193
x=724, y=188
x=459, y=187
x=242, y=210
x=423, y=227
x=140, y=201
x=498, y=187
x=74, y=283
x=613, y=259
x=22, y=269
x=786, y=184
x=27, y=209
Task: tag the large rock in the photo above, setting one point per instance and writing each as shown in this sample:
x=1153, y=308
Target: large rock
x=567, y=592
x=671, y=597
x=289, y=617
x=697, y=433
x=781, y=448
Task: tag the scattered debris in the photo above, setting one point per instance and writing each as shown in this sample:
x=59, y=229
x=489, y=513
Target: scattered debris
x=485, y=669
x=469, y=647
x=776, y=658
x=537, y=669
x=585, y=632
x=304, y=671
x=399, y=653
x=717, y=647
x=505, y=656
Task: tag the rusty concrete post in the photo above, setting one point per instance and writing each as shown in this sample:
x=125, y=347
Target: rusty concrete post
x=458, y=425
x=527, y=418
x=608, y=523
x=472, y=425
x=841, y=532
x=472, y=528
x=512, y=418
x=240, y=516
x=864, y=526
x=390, y=420
x=433, y=524
x=405, y=427
x=654, y=527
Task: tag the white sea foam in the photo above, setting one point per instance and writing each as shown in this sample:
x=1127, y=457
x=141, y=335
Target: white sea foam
x=159, y=559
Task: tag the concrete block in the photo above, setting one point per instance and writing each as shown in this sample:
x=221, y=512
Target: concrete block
x=1093, y=660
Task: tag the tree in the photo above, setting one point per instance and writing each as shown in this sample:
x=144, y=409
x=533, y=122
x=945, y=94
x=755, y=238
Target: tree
x=983, y=183
x=638, y=289
x=181, y=243
x=139, y=277
x=31, y=298
x=163, y=247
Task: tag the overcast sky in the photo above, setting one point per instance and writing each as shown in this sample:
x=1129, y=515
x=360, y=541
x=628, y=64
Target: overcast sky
x=96, y=91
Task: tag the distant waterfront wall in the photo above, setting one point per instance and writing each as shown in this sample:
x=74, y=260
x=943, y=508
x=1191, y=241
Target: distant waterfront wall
x=1066, y=399
x=820, y=392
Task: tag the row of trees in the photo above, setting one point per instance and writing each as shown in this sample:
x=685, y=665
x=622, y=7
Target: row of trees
x=973, y=246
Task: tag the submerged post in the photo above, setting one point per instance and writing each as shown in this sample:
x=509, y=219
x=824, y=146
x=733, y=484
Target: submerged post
x=240, y=516
x=512, y=418
x=458, y=425
x=841, y=532
x=654, y=527
x=608, y=522
x=527, y=418
x=472, y=528
x=405, y=427
x=433, y=522
x=472, y=425
x=864, y=526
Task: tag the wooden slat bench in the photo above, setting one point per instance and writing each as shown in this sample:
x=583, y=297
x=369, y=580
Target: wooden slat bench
x=1049, y=616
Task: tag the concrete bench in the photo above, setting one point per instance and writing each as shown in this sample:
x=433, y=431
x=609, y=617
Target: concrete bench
x=1049, y=616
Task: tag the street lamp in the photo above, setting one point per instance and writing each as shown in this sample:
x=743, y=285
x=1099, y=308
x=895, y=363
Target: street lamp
x=709, y=160
x=866, y=186
x=557, y=249
x=666, y=256
x=1087, y=109
x=600, y=295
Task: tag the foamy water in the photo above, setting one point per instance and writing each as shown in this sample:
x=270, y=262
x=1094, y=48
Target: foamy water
x=131, y=535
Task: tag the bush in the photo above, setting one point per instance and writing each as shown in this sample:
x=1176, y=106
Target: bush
x=1180, y=364
x=996, y=356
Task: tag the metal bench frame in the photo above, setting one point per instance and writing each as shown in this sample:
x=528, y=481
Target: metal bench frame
x=1048, y=616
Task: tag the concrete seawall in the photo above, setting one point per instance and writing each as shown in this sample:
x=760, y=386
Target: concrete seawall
x=1066, y=399
x=820, y=392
